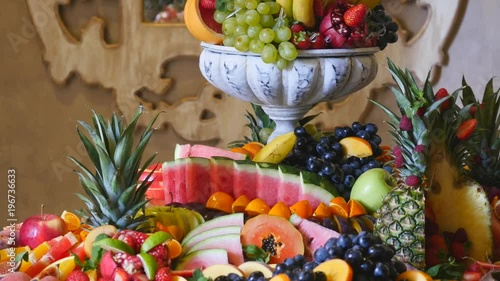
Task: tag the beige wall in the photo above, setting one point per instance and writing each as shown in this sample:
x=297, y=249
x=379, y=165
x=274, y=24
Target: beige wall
x=38, y=117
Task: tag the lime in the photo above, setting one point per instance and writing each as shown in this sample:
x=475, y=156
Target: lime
x=154, y=240
x=149, y=265
x=114, y=245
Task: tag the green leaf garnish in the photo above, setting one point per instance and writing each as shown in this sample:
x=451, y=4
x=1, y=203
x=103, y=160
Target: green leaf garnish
x=252, y=252
x=198, y=276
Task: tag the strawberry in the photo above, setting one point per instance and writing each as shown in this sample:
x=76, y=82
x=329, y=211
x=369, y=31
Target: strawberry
x=434, y=246
x=297, y=27
x=163, y=274
x=301, y=40
x=457, y=250
x=208, y=4
x=77, y=275
x=317, y=41
x=441, y=94
x=355, y=16
x=466, y=129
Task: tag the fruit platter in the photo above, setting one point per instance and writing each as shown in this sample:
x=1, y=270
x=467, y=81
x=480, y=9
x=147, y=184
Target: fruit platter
x=294, y=204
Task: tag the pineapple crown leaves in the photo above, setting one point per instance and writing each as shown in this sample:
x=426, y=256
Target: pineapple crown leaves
x=484, y=144
x=113, y=193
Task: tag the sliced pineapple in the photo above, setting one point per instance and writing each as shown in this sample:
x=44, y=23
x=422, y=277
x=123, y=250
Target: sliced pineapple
x=461, y=203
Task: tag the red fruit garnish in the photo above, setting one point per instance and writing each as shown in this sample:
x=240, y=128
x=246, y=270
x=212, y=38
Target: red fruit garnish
x=163, y=274
x=301, y=40
x=405, y=123
x=77, y=275
x=434, y=245
x=466, y=129
x=457, y=250
x=317, y=41
x=443, y=93
x=472, y=276
x=355, y=16
x=208, y=4
x=318, y=8
x=412, y=180
x=297, y=27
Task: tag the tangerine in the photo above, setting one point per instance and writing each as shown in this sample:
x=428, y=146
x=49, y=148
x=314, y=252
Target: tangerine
x=220, y=201
x=174, y=248
x=253, y=147
x=256, y=207
x=200, y=23
x=355, y=208
x=322, y=211
x=302, y=208
x=280, y=209
x=338, y=206
x=242, y=151
x=240, y=204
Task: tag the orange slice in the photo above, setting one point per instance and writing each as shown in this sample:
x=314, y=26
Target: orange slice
x=338, y=206
x=220, y=201
x=280, y=209
x=200, y=23
x=355, y=208
x=335, y=270
x=174, y=248
x=355, y=146
x=72, y=220
x=240, y=204
x=322, y=211
x=242, y=151
x=302, y=208
x=256, y=207
x=253, y=147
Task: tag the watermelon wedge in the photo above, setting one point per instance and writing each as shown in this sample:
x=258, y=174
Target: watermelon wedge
x=314, y=235
x=195, y=179
x=205, y=151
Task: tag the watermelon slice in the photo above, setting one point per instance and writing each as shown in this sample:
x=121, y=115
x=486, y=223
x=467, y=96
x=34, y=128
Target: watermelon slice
x=202, y=259
x=229, y=242
x=314, y=235
x=205, y=151
x=187, y=179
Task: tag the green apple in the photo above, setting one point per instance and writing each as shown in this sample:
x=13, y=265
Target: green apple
x=371, y=187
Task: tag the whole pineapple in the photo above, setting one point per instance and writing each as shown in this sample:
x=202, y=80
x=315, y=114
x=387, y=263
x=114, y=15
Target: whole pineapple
x=430, y=164
x=114, y=195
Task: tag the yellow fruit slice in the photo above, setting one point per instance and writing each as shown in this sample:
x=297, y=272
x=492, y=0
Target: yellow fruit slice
x=38, y=252
x=4, y=253
x=253, y=147
x=335, y=270
x=72, y=220
x=355, y=146
x=277, y=149
x=195, y=19
x=322, y=211
x=59, y=269
x=338, y=206
x=414, y=275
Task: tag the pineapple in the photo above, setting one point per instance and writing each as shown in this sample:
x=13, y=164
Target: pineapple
x=430, y=164
x=113, y=193
x=261, y=127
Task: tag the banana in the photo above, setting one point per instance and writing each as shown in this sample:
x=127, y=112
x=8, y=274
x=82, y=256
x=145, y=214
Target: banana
x=275, y=151
x=303, y=11
x=287, y=7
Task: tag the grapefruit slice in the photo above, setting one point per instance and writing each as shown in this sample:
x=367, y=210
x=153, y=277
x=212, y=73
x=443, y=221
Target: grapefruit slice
x=201, y=24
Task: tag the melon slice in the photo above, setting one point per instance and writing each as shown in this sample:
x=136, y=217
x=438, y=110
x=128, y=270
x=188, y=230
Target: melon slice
x=229, y=242
x=202, y=259
x=197, y=179
x=187, y=244
x=236, y=219
x=205, y=151
x=245, y=181
x=315, y=235
x=221, y=175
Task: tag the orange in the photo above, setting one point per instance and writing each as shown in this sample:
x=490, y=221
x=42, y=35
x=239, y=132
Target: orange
x=220, y=201
x=338, y=206
x=256, y=207
x=83, y=234
x=322, y=211
x=176, y=231
x=240, y=204
x=72, y=221
x=196, y=20
x=355, y=208
x=253, y=147
x=174, y=248
x=242, y=151
x=302, y=208
x=280, y=209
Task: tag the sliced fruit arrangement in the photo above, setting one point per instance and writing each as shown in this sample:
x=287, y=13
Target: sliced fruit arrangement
x=276, y=29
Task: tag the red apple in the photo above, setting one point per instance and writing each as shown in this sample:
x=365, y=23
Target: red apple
x=40, y=228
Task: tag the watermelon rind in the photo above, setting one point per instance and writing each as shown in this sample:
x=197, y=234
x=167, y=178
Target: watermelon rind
x=202, y=259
